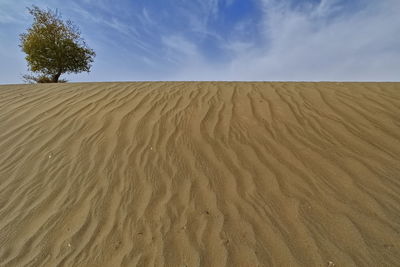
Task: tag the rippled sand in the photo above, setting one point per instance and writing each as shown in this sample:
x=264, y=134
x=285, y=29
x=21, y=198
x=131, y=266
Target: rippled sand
x=200, y=174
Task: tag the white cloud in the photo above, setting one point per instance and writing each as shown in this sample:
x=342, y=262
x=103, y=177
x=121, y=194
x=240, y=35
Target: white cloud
x=145, y=18
x=179, y=50
x=323, y=41
x=310, y=44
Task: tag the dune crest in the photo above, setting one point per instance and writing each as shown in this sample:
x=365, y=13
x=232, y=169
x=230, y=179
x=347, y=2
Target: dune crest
x=200, y=174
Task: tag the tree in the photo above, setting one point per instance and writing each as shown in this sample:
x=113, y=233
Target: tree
x=54, y=47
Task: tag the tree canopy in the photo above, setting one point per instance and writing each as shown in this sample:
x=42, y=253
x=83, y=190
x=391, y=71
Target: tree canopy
x=54, y=47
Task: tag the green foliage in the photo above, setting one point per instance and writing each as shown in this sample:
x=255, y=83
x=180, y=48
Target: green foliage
x=54, y=47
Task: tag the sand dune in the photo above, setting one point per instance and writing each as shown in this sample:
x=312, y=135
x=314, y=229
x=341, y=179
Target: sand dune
x=200, y=174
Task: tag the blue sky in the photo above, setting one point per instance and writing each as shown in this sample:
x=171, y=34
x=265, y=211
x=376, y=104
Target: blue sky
x=267, y=40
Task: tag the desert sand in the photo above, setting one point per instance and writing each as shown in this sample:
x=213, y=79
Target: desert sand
x=200, y=174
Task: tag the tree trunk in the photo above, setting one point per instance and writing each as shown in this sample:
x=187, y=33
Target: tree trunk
x=56, y=77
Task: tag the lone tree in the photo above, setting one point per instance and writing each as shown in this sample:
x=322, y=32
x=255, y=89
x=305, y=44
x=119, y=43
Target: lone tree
x=54, y=47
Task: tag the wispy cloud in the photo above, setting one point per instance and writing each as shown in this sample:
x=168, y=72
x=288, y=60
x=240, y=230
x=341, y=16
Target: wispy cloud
x=308, y=44
x=224, y=39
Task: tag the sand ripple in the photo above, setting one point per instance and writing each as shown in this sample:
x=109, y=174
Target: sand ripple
x=200, y=174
